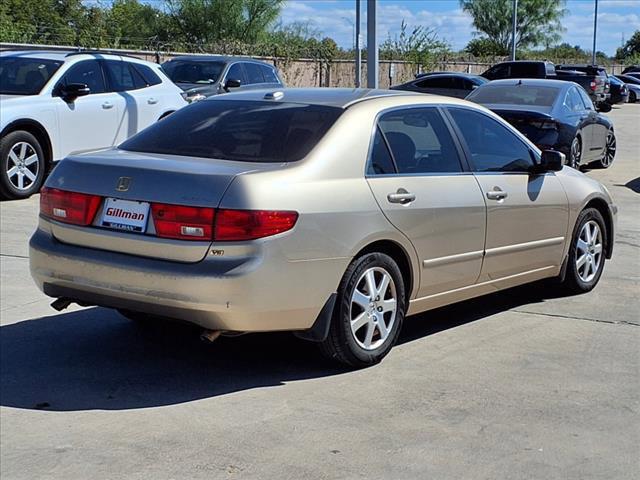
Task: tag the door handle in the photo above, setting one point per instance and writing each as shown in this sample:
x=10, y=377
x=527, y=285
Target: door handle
x=107, y=105
x=152, y=101
x=497, y=195
x=401, y=196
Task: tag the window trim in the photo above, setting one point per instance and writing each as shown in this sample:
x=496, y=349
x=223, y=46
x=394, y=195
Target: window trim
x=441, y=108
x=535, y=156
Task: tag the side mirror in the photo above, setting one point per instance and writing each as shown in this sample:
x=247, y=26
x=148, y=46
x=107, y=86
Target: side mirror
x=74, y=90
x=550, y=161
x=604, y=107
x=231, y=83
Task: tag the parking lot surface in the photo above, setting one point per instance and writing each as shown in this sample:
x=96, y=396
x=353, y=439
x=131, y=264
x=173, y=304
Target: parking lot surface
x=526, y=383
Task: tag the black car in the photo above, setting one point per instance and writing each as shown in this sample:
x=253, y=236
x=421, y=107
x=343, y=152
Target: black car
x=631, y=68
x=633, y=85
x=201, y=76
x=619, y=91
x=635, y=75
x=450, y=84
x=554, y=115
x=521, y=69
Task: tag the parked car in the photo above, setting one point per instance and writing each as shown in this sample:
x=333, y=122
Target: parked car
x=554, y=115
x=631, y=68
x=619, y=91
x=201, y=76
x=635, y=75
x=599, y=72
x=521, y=69
x=450, y=84
x=330, y=212
x=594, y=83
x=633, y=85
x=54, y=104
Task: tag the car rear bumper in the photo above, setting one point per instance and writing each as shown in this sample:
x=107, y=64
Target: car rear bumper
x=262, y=291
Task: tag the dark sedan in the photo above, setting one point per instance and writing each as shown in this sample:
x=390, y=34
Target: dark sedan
x=633, y=85
x=619, y=91
x=450, y=84
x=555, y=115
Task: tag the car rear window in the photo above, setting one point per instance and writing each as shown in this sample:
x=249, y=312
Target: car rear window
x=250, y=131
x=515, y=95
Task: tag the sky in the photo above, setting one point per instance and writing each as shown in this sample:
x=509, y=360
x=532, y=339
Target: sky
x=617, y=20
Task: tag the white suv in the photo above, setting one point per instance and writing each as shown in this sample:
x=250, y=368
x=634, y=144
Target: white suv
x=53, y=104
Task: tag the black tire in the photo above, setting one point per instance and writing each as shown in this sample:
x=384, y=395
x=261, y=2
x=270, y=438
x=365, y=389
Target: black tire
x=12, y=143
x=345, y=346
x=633, y=98
x=609, y=154
x=575, y=281
x=575, y=153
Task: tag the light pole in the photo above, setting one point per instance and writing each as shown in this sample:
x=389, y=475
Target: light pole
x=595, y=31
x=372, y=45
x=515, y=28
x=358, y=47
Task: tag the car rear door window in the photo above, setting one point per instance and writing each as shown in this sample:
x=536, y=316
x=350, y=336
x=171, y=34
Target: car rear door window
x=120, y=76
x=420, y=141
x=588, y=104
x=436, y=82
x=88, y=72
x=380, y=162
x=493, y=147
x=249, y=131
x=573, y=101
x=254, y=73
x=268, y=74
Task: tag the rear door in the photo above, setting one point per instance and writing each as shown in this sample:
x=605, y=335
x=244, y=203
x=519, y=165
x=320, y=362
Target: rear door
x=527, y=214
x=598, y=132
x=580, y=116
x=419, y=181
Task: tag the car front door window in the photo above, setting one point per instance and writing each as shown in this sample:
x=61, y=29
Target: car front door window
x=88, y=72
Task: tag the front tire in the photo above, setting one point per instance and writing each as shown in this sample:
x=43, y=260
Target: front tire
x=587, y=253
x=369, y=312
x=22, y=165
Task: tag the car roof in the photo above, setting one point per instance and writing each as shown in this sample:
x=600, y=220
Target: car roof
x=533, y=82
x=65, y=55
x=455, y=74
x=332, y=97
x=215, y=58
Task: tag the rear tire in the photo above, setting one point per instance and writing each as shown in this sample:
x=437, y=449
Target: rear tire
x=22, y=165
x=633, y=98
x=587, y=253
x=609, y=152
x=369, y=312
x=575, y=153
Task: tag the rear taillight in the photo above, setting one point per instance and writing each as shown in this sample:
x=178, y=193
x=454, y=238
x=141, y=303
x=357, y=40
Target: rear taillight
x=238, y=225
x=544, y=124
x=68, y=207
x=186, y=223
x=593, y=86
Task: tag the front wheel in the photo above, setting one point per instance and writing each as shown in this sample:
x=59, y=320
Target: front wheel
x=22, y=165
x=369, y=312
x=587, y=252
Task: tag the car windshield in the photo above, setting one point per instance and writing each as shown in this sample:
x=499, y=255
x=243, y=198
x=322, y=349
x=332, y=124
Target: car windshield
x=185, y=71
x=249, y=131
x=25, y=76
x=515, y=95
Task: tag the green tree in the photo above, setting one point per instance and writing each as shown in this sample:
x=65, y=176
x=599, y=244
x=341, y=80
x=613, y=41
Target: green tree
x=538, y=21
x=209, y=21
x=419, y=45
x=631, y=48
x=485, y=47
x=135, y=24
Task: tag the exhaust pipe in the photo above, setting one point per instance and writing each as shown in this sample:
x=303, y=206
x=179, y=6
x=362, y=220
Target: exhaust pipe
x=210, y=336
x=60, y=304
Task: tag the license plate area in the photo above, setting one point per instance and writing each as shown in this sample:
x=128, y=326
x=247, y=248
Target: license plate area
x=125, y=215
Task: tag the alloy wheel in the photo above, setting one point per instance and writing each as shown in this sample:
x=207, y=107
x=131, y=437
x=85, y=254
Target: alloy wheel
x=589, y=251
x=23, y=166
x=609, y=151
x=373, y=308
x=575, y=154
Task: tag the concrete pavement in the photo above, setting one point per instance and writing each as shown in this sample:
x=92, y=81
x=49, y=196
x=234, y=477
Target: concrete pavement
x=521, y=384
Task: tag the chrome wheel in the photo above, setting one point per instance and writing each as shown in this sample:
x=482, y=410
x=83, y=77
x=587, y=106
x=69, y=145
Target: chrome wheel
x=23, y=166
x=575, y=154
x=589, y=251
x=609, y=151
x=373, y=308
